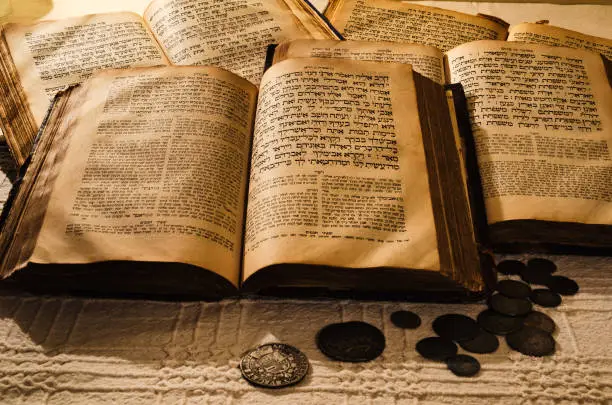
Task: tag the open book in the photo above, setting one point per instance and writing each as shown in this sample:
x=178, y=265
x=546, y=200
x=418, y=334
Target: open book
x=38, y=60
x=397, y=21
x=333, y=175
x=541, y=118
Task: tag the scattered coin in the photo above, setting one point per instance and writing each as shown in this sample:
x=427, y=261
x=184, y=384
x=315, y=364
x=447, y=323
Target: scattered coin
x=499, y=324
x=484, y=342
x=405, y=319
x=540, y=320
x=546, y=298
x=513, y=289
x=534, y=277
x=455, y=327
x=531, y=341
x=436, y=348
x=562, y=285
x=510, y=267
x=463, y=365
x=351, y=341
x=274, y=365
x=509, y=306
x=541, y=265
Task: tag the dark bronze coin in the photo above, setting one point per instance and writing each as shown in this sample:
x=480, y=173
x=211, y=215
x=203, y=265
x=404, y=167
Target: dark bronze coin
x=540, y=320
x=274, y=365
x=405, y=319
x=455, y=327
x=541, y=265
x=510, y=267
x=534, y=277
x=546, y=298
x=351, y=341
x=509, y=306
x=531, y=341
x=499, y=324
x=562, y=285
x=436, y=348
x=463, y=365
x=484, y=342
x=513, y=289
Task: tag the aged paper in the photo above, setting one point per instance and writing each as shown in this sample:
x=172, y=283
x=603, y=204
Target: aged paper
x=155, y=170
x=232, y=34
x=542, y=121
x=338, y=172
x=556, y=36
x=389, y=20
x=425, y=60
x=52, y=55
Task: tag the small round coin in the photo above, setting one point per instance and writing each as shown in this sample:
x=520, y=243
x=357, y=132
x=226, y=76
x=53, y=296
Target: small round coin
x=455, y=327
x=405, y=319
x=436, y=348
x=531, y=341
x=499, y=324
x=513, y=289
x=545, y=298
x=534, y=277
x=463, y=365
x=351, y=341
x=510, y=267
x=541, y=265
x=274, y=365
x=540, y=320
x=509, y=306
x=562, y=285
x=484, y=342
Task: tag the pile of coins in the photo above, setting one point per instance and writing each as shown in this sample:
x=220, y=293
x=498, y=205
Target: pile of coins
x=510, y=313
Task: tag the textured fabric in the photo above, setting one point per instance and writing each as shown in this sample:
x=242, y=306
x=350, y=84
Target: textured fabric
x=91, y=351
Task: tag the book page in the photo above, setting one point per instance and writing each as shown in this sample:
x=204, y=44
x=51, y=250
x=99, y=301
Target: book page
x=550, y=35
x=231, y=34
x=425, y=60
x=53, y=55
x=542, y=122
x=389, y=20
x=155, y=170
x=338, y=172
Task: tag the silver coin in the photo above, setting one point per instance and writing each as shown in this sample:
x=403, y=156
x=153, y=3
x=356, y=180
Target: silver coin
x=274, y=365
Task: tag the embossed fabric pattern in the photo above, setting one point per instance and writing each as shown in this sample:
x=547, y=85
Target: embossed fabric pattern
x=90, y=351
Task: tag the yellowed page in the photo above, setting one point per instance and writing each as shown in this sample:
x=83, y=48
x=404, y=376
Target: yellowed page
x=542, y=121
x=550, y=35
x=389, y=20
x=52, y=55
x=425, y=60
x=156, y=170
x=338, y=173
x=232, y=34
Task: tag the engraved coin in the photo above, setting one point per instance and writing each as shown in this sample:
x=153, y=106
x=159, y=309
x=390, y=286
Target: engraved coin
x=484, y=342
x=455, y=327
x=562, y=285
x=540, y=320
x=463, y=365
x=545, y=298
x=531, y=341
x=499, y=324
x=405, y=319
x=351, y=341
x=541, y=265
x=513, y=289
x=509, y=306
x=436, y=348
x=510, y=267
x=274, y=365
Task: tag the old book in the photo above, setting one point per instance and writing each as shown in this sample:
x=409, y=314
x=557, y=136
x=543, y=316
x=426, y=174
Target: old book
x=343, y=177
x=541, y=118
x=38, y=60
x=397, y=21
